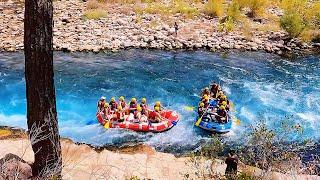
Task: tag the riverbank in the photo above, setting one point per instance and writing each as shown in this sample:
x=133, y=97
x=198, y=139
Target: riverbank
x=123, y=27
x=84, y=162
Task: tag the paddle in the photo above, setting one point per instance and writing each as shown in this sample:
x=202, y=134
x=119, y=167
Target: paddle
x=189, y=108
x=200, y=119
x=107, y=124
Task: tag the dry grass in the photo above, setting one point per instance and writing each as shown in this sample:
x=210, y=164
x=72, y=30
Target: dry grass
x=95, y=10
x=95, y=14
x=310, y=35
x=214, y=8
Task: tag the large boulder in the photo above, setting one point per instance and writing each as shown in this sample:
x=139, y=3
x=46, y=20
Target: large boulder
x=13, y=167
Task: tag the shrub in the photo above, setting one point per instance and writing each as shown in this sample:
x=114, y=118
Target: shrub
x=214, y=8
x=185, y=8
x=234, y=11
x=315, y=15
x=256, y=7
x=227, y=25
x=95, y=14
x=294, y=5
x=293, y=23
x=157, y=8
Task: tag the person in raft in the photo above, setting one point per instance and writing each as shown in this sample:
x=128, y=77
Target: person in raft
x=122, y=102
x=137, y=114
x=158, y=104
x=205, y=91
x=106, y=111
x=225, y=104
x=113, y=105
x=120, y=114
x=133, y=105
x=205, y=100
x=214, y=90
x=155, y=116
x=221, y=115
x=101, y=103
x=201, y=109
x=144, y=107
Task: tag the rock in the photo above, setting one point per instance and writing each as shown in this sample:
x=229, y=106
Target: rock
x=237, y=46
x=65, y=20
x=171, y=31
x=317, y=45
x=13, y=167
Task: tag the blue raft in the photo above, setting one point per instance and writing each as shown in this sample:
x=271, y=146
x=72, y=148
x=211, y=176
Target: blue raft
x=214, y=126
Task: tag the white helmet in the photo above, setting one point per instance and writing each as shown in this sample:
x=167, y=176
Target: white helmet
x=103, y=98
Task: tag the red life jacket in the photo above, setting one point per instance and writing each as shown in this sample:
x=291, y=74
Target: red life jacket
x=101, y=105
x=113, y=106
x=135, y=114
x=122, y=104
x=152, y=115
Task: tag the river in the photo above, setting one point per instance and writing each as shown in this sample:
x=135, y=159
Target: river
x=262, y=86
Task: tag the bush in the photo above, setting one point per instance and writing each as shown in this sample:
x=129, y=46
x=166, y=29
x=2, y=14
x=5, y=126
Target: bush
x=293, y=23
x=256, y=7
x=185, y=8
x=227, y=25
x=234, y=11
x=214, y=8
x=95, y=14
x=315, y=15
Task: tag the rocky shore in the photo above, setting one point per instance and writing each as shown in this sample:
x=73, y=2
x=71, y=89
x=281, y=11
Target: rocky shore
x=72, y=32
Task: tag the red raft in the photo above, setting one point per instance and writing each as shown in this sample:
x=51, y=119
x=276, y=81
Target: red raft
x=171, y=117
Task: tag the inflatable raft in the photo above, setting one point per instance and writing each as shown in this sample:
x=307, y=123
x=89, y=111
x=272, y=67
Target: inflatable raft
x=210, y=123
x=171, y=117
x=214, y=126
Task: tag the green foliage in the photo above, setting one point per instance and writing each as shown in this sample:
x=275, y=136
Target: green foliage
x=185, y=8
x=245, y=176
x=95, y=14
x=214, y=8
x=234, y=11
x=293, y=23
x=315, y=15
x=212, y=149
x=256, y=7
x=294, y=5
x=227, y=25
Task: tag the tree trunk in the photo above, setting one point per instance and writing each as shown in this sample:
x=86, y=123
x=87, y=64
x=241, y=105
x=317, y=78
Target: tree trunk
x=41, y=100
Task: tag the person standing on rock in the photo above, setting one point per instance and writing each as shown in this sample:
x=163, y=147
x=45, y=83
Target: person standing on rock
x=176, y=28
x=232, y=165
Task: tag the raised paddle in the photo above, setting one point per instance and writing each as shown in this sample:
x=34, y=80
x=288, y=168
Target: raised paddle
x=189, y=108
x=200, y=119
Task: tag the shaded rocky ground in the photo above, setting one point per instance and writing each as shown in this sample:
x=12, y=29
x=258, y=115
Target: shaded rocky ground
x=84, y=162
x=72, y=32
